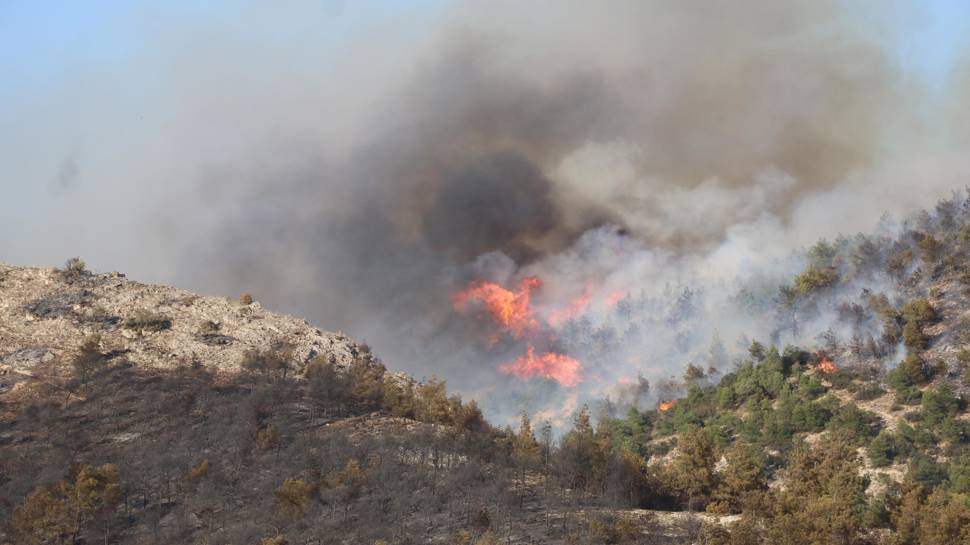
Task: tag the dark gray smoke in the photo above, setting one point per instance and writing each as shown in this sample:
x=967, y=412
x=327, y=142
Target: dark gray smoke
x=625, y=152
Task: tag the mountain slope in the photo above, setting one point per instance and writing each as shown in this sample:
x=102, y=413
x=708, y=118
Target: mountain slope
x=143, y=414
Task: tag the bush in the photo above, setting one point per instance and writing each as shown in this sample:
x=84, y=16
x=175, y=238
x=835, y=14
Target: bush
x=963, y=358
x=74, y=268
x=268, y=361
x=145, y=320
x=88, y=358
x=245, y=299
x=62, y=510
x=917, y=314
x=884, y=449
x=857, y=423
x=927, y=472
x=909, y=373
x=293, y=497
x=939, y=403
x=868, y=392
x=267, y=436
x=913, y=336
x=814, y=279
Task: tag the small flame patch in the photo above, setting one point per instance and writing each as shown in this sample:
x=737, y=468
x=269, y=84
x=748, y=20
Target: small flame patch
x=512, y=312
x=550, y=365
x=509, y=309
x=826, y=366
x=665, y=406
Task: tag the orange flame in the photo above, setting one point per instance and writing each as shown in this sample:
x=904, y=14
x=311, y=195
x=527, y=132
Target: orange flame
x=558, y=367
x=575, y=308
x=826, y=366
x=510, y=309
x=614, y=297
x=513, y=312
x=665, y=406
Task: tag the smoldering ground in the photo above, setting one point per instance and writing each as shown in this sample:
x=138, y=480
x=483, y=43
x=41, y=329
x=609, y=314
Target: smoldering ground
x=628, y=151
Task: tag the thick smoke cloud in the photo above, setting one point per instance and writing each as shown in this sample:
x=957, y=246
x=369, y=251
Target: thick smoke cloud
x=652, y=157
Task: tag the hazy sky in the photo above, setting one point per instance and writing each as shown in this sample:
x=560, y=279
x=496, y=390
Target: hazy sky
x=356, y=163
x=71, y=73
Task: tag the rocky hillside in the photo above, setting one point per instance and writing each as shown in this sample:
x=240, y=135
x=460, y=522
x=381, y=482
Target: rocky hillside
x=46, y=314
x=135, y=413
x=132, y=413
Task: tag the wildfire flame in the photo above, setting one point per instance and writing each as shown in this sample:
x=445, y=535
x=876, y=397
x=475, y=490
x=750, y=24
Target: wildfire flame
x=512, y=311
x=826, y=366
x=575, y=308
x=509, y=309
x=558, y=367
x=614, y=297
x=665, y=406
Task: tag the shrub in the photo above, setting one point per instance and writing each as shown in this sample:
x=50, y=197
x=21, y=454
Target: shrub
x=913, y=336
x=88, y=358
x=267, y=436
x=245, y=299
x=74, y=268
x=481, y=519
x=884, y=449
x=868, y=392
x=59, y=512
x=145, y=320
x=292, y=498
x=488, y=538
x=856, y=422
x=963, y=358
x=927, y=472
x=611, y=530
x=814, y=279
x=208, y=327
x=200, y=470
x=268, y=361
x=939, y=403
x=909, y=373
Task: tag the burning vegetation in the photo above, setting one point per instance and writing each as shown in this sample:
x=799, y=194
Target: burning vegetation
x=550, y=365
x=826, y=366
x=512, y=311
x=666, y=405
x=509, y=309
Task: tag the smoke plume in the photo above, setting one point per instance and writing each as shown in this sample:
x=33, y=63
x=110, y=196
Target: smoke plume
x=647, y=161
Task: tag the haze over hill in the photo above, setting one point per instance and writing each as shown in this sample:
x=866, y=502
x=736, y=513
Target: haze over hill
x=620, y=155
x=134, y=413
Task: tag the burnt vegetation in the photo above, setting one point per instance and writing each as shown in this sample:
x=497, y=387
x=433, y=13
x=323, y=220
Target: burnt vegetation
x=863, y=438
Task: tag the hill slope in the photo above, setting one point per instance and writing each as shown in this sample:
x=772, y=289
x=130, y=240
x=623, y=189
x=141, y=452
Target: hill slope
x=202, y=420
x=142, y=414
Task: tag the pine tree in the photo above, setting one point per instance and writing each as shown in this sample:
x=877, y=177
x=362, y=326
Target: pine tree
x=694, y=467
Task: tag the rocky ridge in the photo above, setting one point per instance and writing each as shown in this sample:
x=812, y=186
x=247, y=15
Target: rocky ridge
x=46, y=314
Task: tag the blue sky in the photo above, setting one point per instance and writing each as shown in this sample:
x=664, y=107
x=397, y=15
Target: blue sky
x=40, y=39
x=51, y=52
x=941, y=39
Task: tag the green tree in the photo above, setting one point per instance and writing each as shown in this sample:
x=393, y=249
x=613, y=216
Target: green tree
x=744, y=477
x=693, y=468
x=59, y=513
x=825, y=500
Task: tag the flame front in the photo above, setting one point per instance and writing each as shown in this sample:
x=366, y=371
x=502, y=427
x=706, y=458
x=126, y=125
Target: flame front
x=575, y=308
x=614, y=297
x=826, y=366
x=550, y=365
x=513, y=313
x=509, y=309
x=665, y=406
